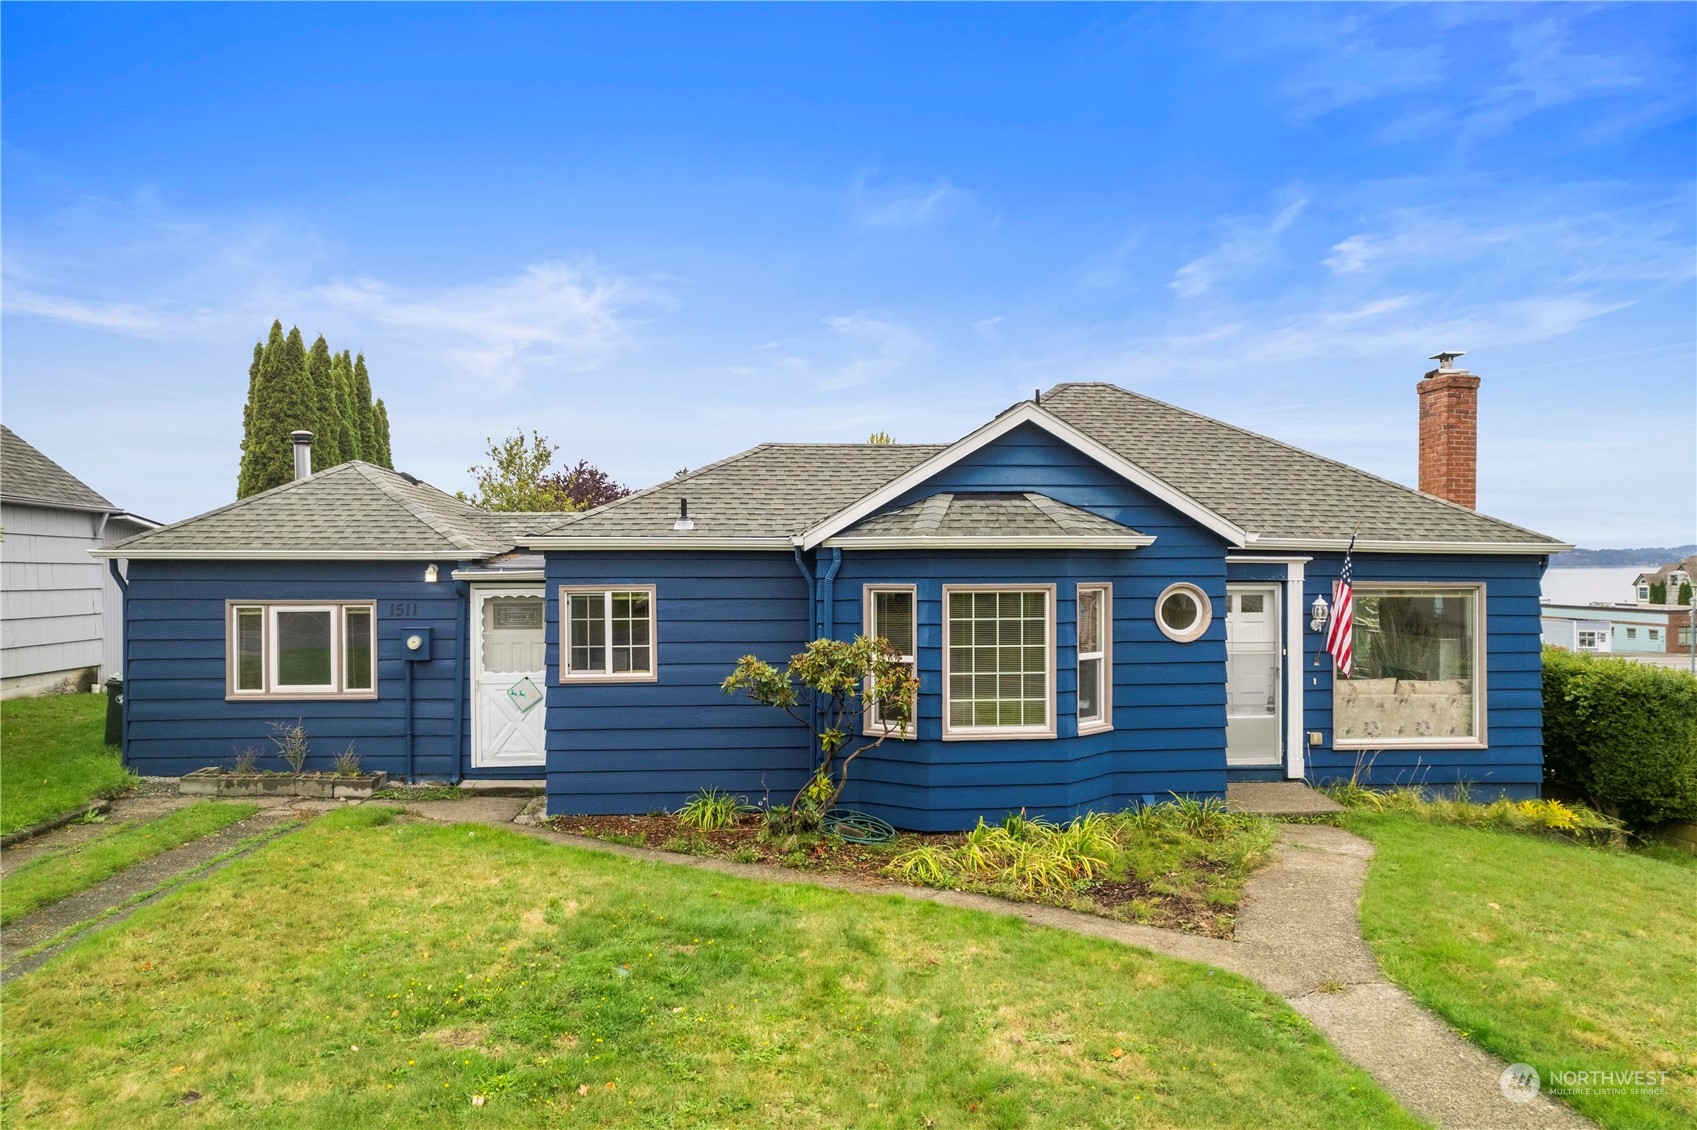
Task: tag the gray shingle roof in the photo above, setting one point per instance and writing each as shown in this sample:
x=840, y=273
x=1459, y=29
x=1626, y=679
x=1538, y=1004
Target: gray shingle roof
x=354, y=509
x=1267, y=487
x=26, y=475
x=983, y=515
x=773, y=491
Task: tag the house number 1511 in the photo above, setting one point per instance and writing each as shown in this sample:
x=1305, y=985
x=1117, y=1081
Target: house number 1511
x=404, y=608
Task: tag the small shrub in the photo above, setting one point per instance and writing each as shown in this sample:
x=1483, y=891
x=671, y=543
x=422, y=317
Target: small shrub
x=247, y=762
x=1621, y=734
x=291, y=743
x=711, y=810
x=691, y=845
x=745, y=855
x=924, y=864
x=347, y=762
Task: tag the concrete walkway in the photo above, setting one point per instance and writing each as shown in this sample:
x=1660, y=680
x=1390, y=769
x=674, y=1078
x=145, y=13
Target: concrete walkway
x=1297, y=936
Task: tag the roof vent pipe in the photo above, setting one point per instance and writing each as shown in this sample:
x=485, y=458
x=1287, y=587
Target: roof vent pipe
x=303, y=453
x=684, y=522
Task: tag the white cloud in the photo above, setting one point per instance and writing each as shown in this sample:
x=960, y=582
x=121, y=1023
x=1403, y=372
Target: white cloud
x=211, y=280
x=1249, y=244
x=861, y=348
x=905, y=206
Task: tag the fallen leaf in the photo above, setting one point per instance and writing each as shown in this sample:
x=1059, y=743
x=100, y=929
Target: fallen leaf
x=353, y=1047
x=1117, y=1052
x=582, y=1090
x=477, y=1100
x=611, y=1086
x=178, y=1070
x=1493, y=906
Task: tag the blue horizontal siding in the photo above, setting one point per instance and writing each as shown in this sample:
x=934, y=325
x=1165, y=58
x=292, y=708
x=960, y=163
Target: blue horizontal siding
x=1511, y=764
x=177, y=719
x=640, y=747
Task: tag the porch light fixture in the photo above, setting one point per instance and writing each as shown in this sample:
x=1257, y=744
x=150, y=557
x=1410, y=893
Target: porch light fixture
x=1317, y=614
x=430, y=574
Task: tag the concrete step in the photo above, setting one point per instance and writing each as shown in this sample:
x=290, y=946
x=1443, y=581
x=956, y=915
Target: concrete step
x=1278, y=798
x=502, y=787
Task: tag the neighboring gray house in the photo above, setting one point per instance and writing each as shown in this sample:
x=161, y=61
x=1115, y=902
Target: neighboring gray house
x=53, y=596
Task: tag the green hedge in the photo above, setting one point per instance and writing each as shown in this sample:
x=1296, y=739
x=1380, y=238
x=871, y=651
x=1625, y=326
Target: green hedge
x=1621, y=734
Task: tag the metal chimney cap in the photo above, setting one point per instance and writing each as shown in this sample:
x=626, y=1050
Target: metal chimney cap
x=301, y=436
x=1446, y=357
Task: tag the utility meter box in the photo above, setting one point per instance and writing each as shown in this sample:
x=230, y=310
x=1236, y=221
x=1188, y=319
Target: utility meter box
x=415, y=644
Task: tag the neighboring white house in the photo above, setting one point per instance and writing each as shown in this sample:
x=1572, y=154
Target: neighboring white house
x=54, y=598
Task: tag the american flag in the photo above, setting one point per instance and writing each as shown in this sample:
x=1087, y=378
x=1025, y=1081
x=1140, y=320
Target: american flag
x=1340, y=638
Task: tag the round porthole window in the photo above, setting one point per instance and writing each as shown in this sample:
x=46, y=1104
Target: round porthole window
x=1183, y=612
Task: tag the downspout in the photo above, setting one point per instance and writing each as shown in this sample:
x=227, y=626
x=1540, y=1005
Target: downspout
x=827, y=612
x=123, y=584
x=462, y=677
x=812, y=594
x=412, y=778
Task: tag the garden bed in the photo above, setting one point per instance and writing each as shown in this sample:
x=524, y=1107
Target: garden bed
x=1159, y=875
x=213, y=781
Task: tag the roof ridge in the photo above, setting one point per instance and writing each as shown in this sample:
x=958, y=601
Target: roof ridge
x=1055, y=511
x=384, y=478
x=607, y=507
x=1299, y=450
x=933, y=510
x=240, y=502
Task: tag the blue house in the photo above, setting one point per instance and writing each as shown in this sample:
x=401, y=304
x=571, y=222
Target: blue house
x=1107, y=599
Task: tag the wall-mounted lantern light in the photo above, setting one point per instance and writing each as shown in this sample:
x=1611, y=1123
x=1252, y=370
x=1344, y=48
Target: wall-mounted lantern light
x=430, y=574
x=1317, y=614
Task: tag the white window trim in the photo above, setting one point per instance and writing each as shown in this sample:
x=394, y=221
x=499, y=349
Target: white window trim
x=1479, y=740
x=1105, y=695
x=1204, y=616
x=1003, y=733
x=274, y=691
x=607, y=674
x=869, y=726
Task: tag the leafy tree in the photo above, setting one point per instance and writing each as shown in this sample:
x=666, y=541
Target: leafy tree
x=517, y=478
x=879, y=438
x=513, y=479
x=585, y=486
x=844, y=679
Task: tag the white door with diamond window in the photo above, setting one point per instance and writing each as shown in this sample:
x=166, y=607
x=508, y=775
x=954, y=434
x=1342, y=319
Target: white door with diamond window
x=509, y=677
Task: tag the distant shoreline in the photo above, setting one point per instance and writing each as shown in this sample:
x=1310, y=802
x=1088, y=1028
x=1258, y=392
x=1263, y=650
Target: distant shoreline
x=1647, y=558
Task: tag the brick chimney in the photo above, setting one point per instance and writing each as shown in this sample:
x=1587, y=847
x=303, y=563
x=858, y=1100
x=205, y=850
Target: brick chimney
x=1449, y=432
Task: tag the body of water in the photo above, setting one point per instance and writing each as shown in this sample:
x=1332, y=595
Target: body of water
x=1588, y=586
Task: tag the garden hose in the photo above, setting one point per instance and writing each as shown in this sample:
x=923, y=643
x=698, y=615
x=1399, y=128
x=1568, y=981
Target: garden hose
x=857, y=827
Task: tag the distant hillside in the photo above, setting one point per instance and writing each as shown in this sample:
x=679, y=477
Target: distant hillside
x=1647, y=558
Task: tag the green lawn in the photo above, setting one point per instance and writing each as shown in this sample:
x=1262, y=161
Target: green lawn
x=368, y=971
x=53, y=757
x=63, y=874
x=1548, y=953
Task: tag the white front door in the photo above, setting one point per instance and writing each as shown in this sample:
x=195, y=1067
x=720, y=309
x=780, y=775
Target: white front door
x=509, y=677
x=1252, y=675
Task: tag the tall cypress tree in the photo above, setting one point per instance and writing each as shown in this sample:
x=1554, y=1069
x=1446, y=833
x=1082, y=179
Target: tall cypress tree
x=385, y=459
x=243, y=472
x=367, y=413
x=270, y=462
x=341, y=395
x=326, y=435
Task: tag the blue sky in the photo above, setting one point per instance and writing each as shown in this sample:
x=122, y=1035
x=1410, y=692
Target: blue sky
x=662, y=234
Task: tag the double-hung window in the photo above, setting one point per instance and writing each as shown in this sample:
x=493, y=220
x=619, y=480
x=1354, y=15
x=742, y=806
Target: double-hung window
x=1095, y=658
x=301, y=649
x=998, y=661
x=891, y=616
x=609, y=633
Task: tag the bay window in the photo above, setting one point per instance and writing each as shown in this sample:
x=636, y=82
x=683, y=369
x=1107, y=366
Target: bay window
x=891, y=614
x=998, y=661
x=1095, y=664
